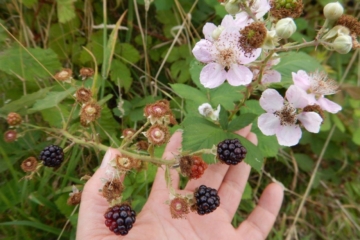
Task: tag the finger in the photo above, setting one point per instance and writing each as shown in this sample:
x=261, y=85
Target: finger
x=93, y=204
x=212, y=177
x=233, y=185
x=171, y=150
x=259, y=223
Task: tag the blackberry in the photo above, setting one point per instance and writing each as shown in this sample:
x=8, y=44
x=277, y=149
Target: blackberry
x=231, y=152
x=207, y=200
x=52, y=156
x=120, y=219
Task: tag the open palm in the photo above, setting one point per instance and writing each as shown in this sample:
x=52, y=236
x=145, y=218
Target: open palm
x=155, y=221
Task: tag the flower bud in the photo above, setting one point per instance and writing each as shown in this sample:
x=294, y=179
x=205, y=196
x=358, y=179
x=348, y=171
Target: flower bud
x=333, y=11
x=285, y=28
x=232, y=7
x=342, y=44
x=216, y=33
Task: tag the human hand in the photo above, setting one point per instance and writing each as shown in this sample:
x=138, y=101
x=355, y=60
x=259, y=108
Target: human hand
x=155, y=221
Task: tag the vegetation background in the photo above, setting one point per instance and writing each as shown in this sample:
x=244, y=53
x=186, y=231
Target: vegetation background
x=39, y=37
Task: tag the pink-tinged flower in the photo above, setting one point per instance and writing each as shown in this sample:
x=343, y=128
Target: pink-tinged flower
x=259, y=8
x=317, y=85
x=282, y=116
x=224, y=56
x=269, y=75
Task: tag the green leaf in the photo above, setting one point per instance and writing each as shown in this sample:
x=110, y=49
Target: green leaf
x=110, y=48
x=18, y=62
x=226, y=95
x=195, y=69
x=55, y=115
x=51, y=100
x=189, y=93
x=241, y=121
x=163, y=4
x=121, y=75
x=29, y=3
x=356, y=137
x=128, y=52
x=268, y=145
x=339, y=124
x=223, y=118
x=41, y=226
x=305, y=162
x=252, y=106
x=200, y=133
x=28, y=100
x=179, y=71
x=293, y=62
x=65, y=10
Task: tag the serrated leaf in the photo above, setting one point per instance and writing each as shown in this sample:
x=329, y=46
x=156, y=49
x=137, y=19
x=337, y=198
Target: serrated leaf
x=107, y=122
x=189, y=93
x=241, y=121
x=128, y=52
x=51, y=100
x=268, y=145
x=65, y=10
x=179, y=71
x=195, y=69
x=223, y=118
x=120, y=74
x=54, y=116
x=226, y=95
x=18, y=62
x=28, y=100
x=252, y=106
x=304, y=161
x=202, y=134
x=293, y=62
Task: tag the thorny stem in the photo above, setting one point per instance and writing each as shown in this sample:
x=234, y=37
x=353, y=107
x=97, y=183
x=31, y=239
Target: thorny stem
x=130, y=139
x=102, y=147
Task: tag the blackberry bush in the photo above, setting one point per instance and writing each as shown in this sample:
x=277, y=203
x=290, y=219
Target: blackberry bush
x=120, y=219
x=52, y=156
x=231, y=152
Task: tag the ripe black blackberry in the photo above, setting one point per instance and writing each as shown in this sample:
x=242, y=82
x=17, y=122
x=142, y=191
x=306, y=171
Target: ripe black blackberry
x=120, y=219
x=52, y=156
x=207, y=200
x=231, y=152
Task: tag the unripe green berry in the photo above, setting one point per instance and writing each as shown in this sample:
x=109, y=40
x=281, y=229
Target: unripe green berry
x=342, y=44
x=333, y=11
x=285, y=28
x=232, y=7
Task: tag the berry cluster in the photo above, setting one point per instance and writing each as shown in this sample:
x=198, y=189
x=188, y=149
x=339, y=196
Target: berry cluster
x=207, y=200
x=120, y=219
x=192, y=167
x=52, y=156
x=231, y=152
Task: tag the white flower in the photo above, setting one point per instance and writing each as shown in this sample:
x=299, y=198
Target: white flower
x=206, y=110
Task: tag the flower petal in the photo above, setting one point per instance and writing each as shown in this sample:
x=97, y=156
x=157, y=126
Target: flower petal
x=228, y=22
x=288, y=135
x=260, y=8
x=208, y=30
x=202, y=51
x=311, y=121
x=249, y=57
x=212, y=75
x=271, y=76
x=239, y=75
x=271, y=101
x=301, y=79
x=328, y=105
x=297, y=97
x=242, y=19
x=268, y=123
